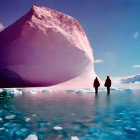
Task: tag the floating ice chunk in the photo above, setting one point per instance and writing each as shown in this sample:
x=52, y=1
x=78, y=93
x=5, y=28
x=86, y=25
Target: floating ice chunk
x=10, y=117
x=133, y=129
x=74, y=138
x=2, y=128
x=121, y=113
x=32, y=137
x=24, y=130
x=42, y=124
x=128, y=90
x=27, y=119
x=85, y=91
x=1, y=90
x=1, y=119
x=14, y=91
x=34, y=115
x=33, y=91
x=69, y=90
x=57, y=128
x=46, y=90
x=117, y=132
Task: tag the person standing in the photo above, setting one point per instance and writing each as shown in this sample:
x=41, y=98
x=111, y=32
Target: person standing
x=108, y=84
x=96, y=84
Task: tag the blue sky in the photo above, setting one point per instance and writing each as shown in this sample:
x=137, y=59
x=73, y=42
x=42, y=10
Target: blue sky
x=112, y=26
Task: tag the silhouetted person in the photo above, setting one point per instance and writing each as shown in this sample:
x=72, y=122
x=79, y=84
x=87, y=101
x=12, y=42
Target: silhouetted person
x=108, y=84
x=96, y=84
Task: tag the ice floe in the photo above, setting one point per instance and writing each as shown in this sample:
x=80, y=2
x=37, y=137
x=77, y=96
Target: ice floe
x=46, y=90
x=14, y=91
x=10, y=117
x=85, y=91
x=27, y=119
x=74, y=138
x=33, y=91
x=69, y=90
x=57, y=128
x=32, y=137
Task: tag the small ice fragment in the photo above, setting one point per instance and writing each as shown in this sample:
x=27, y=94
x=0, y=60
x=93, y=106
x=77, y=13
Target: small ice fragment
x=121, y=113
x=133, y=129
x=14, y=91
x=9, y=117
x=69, y=90
x=0, y=119
x=33, y=91
x=32, y=137
x=74, y=138
x=24, y=130
x=85, y=91
x=57, y=128
x=27, y=119
x=2, y=128
x=46, y=90
x=34, y=115
x=1, y=90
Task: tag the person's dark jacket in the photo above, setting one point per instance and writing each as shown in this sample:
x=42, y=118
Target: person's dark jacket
x=96, y=83
x=107, y=82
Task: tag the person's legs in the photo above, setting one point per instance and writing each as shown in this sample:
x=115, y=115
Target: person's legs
x=96, y=90
x=108, y=90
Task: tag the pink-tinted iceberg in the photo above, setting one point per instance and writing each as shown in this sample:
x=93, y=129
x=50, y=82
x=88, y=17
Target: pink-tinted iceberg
x=45, y=48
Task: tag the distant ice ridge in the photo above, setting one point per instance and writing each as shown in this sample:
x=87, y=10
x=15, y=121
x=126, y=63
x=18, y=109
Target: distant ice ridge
x=130, y=82
x=131, y=79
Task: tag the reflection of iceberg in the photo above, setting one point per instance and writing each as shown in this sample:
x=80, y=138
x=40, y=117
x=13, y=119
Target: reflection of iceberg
x=45, y=48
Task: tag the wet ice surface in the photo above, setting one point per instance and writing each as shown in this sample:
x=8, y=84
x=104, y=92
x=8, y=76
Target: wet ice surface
x=70, y=115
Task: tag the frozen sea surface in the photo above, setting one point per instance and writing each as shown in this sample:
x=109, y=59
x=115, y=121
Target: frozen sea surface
x=69, y=115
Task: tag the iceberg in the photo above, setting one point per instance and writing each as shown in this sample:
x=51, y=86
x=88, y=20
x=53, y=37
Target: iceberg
x=45, y=48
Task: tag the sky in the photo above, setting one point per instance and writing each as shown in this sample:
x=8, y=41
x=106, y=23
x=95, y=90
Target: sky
x=112, y=27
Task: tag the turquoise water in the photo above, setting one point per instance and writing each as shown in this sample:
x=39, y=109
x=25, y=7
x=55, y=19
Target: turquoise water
x=69, y=115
